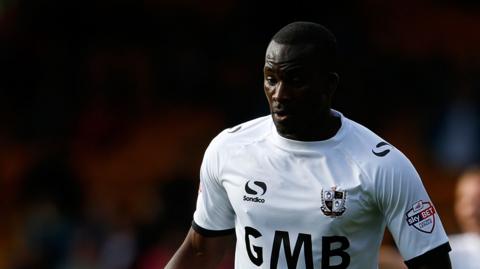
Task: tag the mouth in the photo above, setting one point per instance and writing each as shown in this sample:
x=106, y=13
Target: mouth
x=282, y=114
x=281, y=111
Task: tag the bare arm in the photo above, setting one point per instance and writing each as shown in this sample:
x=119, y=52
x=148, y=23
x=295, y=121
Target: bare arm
x=198, y=251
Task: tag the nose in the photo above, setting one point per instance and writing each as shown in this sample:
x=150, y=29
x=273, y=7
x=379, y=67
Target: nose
x=281, y=93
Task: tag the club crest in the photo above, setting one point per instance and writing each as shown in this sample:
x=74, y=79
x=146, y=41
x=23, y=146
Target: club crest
x=422, y=216
x=333, y=202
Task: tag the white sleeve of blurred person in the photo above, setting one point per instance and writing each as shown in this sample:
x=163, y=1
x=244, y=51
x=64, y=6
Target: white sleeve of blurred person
x=465, y=252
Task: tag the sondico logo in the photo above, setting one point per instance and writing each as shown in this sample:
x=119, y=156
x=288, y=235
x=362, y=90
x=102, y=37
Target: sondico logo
x=255, y=188
x=382, y=149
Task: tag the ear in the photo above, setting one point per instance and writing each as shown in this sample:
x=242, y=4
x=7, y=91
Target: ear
x=333, y=79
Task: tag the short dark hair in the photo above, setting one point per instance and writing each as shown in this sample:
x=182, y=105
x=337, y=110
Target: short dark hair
x=303, y=33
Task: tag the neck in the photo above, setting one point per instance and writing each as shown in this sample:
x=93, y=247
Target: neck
x=323, y=127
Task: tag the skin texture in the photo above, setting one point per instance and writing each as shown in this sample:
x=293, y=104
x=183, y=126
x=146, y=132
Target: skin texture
x=467, y=202
x=198, y=251
x=299, y=91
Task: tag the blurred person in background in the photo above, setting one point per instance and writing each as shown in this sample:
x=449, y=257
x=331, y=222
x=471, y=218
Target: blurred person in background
x=456, y=143
x=307, y=173
x=466, y=246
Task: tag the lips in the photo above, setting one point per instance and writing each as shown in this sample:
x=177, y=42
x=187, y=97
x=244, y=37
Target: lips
x=282, y=110
x=282, y=113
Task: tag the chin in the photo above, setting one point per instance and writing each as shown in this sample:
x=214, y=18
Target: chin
x=285, y=125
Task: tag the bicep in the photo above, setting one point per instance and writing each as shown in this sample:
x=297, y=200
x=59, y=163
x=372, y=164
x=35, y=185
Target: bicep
x=214, y=210
x=409, y=213
x=213, y=246
x=200, y=251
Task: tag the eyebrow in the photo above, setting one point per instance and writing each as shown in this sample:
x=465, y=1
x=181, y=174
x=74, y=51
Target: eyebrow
x=289, y=69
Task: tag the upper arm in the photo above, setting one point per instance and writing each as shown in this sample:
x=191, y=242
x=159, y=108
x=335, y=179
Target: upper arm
x=214, y=210
x=210, y=245
x=213, y=221
x=437, y=258
x=200, y=251
x=408, y=211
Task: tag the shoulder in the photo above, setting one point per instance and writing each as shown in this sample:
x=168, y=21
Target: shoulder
x=241, y=134
x=372, y=153
x=464, y=241
x=465, y=248
x=230, y=141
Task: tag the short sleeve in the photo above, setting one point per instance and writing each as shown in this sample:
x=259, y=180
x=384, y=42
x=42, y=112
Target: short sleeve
x=214, y=214
x=408, y=211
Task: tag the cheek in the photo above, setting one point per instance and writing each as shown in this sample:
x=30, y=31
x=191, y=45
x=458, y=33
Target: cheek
x=313, y=94
x=268, y=92
x=465, y=209
x=313, y=100
x=476, y=208
x=268, y=96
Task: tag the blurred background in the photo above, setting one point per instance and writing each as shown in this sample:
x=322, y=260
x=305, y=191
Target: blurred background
x=106, y=108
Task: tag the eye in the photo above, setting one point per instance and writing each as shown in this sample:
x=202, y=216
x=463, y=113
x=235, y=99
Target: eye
x=271, y=80
x=297, y=81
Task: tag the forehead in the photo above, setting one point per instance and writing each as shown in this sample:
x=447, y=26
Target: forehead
x=287, y=54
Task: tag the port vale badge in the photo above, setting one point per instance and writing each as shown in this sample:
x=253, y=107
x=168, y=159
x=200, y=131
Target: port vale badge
x=333, y=202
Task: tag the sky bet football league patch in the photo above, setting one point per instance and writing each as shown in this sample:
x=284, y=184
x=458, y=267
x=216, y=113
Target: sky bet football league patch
x=422, y=216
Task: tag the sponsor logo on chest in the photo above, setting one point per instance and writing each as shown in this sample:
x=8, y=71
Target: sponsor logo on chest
x=255, y=189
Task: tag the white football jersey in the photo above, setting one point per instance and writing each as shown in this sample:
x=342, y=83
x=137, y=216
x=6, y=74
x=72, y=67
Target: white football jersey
x=322, y=204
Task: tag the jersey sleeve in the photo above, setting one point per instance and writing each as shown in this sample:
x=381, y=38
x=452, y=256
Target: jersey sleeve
x=214, y=214
x=408, y=211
